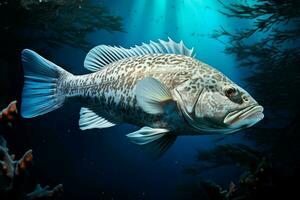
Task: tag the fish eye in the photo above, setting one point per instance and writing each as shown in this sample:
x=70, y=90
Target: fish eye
x=229, y=92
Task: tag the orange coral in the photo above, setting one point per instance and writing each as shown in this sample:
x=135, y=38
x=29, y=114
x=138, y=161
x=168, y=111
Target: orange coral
x=9, y=114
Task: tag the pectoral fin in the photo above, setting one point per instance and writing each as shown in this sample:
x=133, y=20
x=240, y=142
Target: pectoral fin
x=156, y=141
x=154, y=97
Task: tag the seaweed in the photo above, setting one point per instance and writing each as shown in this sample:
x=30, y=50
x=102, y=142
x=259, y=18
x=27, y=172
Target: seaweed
x=274, y=60
x=55, y=22
x=226, y=154
x=45, y=25
x=269, y=47
x=252, y=184
x=270, y=167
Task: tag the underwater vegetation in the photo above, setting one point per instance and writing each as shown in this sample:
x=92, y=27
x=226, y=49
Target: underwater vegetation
x=56, y=22
x=254, y=183
x=271, y=166
x=42, y=24
x=14, y=173
x=268, y=48
x=275, y=57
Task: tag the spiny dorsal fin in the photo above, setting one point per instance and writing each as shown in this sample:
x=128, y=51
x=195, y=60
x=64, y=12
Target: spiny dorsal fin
x=103, y=55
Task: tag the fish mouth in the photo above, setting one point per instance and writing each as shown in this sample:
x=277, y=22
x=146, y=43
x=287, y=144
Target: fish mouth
x=247, y=116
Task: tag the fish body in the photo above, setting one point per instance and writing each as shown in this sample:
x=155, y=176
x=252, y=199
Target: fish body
x=158, y=86
x=114, y=86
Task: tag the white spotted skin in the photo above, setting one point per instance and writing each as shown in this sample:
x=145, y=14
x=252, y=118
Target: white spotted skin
x=112, y=88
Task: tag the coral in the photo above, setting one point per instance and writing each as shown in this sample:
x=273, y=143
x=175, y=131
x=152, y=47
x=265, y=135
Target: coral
x=12, y=168
x=13, y=172
x=42, y=193
x=12, y=175
x=9, y=114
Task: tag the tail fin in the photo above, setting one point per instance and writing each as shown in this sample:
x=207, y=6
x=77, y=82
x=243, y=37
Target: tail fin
x=40, y=93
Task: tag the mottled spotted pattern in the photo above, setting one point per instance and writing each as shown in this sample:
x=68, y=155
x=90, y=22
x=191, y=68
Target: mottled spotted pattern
x=112, y=89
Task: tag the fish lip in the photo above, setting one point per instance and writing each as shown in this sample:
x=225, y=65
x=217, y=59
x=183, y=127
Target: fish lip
x=250, y=112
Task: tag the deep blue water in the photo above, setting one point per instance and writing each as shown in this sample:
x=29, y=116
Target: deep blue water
x=103, y=164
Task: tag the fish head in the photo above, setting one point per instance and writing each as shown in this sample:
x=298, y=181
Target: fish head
x=218, y=106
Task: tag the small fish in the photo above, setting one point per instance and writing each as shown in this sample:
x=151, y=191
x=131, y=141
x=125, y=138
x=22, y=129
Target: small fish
x=159, y=86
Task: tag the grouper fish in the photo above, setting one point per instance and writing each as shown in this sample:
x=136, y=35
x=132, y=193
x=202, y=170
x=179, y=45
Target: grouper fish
x=158, y=86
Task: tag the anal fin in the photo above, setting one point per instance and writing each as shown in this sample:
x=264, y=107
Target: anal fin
x=90, y=119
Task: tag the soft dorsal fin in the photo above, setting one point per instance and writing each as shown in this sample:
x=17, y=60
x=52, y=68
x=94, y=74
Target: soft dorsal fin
x=103, y=55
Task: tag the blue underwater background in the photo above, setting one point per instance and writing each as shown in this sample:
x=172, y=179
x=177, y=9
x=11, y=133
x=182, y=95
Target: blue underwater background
x=103, y=163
